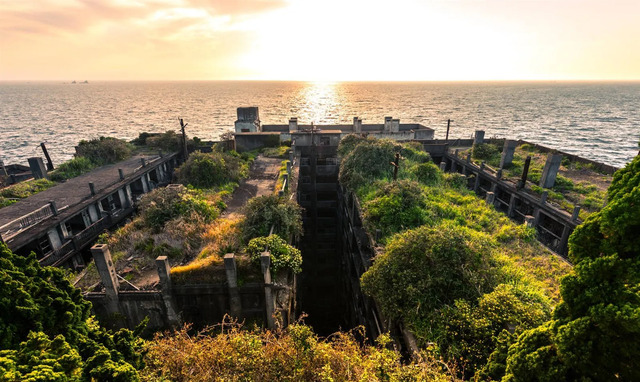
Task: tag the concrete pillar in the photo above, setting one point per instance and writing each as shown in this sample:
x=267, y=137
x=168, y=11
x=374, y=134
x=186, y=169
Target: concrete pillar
x=490, y=198
x=37, y=168
x=288, y=167
x=512, y=205
x=476, y=185
x=550, y=171
x=357, y=125
x=564, y=240
x=443, y=165
x=107, y=272
x=92, y=188
x=482, y=166
x=456, y=152
x=530, y=221
x=544, y=196
x=387, y=124
x=478, y=138
x=269, y=301
x=395, y=125
x=164, y=274
x=3, y=170
x=507, y=153
x=469, y=158
x=54, y=207
x=235, y=303
x=293, y=124
x=143, y=162
x=121, y=174
x=576, y=213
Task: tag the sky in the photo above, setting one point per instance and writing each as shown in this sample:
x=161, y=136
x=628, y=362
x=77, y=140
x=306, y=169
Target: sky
x=320, y=40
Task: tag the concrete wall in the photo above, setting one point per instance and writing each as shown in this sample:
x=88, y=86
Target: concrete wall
x=252, y=141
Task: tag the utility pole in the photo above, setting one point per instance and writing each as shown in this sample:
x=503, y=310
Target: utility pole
x=448, y=126
x=184, y=140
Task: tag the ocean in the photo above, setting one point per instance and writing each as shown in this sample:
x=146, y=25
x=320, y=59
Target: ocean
x=596, y=120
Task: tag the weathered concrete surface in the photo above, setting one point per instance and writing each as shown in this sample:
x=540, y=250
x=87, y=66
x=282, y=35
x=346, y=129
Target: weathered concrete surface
x=263, y=176
x=73, y=191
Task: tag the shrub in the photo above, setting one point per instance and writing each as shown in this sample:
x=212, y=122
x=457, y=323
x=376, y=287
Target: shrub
x=283, y=255
x=9, y=195
x=427, y=173
x=165, y=204
x=396, y=207
x=428, y=267
x=72, y=168
x=104, y=150
x=487, y=152
x=263, y=212
x=294, y=354
x=211, y=170
x=369, y=160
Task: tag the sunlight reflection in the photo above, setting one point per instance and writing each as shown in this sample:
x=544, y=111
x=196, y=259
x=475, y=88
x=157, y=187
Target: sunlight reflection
x=321, y=101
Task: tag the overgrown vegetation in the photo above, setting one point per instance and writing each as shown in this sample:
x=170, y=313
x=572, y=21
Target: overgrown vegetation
x=46, y=332
x=283, y=255
x=595, y=331
x=576, y=184
x=263, y=212
x=92, y=154
x=212, y=170
x=15, y=192
x=454, y=271
x=293, y=354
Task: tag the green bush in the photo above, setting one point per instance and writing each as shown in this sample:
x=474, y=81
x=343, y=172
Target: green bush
x=486, y=152
x=13, y=193
x=395, y=207
x=104, y=150
x=72, y=168
x=211, y=170
x=283, y=255
x=263, y=212
x=428, y=267
x=46, y=333
x=166, y=204
x=427, y=173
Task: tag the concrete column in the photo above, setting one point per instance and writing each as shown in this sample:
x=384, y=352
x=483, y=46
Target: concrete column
x=143, y=162
x=387, y=124
x=54, y=208
x=269, y=301
x=235, y=303
x=530, y=221
x=456, y=152
x=576, y=213
x=512, y=205
x=490, y=198
x=395, y=125
x=121, y=174
x=507, y=153
x=550, y=171
x=499, y=174
x=37, y=168
x=3, y=170
x=468, y=158
x=478, y=138
x=443, y=165
x=482, y=165
x=293, y=124
x=476, y=185
x=357, y=125
x=544, y=196
x=566, y=231
x=164, y=274
x=106, y=270
x=288, y=167
x=92, y=188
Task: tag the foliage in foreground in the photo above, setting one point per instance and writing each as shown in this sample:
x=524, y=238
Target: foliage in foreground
x=595, y=333
x=294, y=354
x=46, y=333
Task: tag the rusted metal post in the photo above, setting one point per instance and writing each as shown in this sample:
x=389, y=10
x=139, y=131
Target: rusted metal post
x=525, y=173
x=184, y=140
x=448, y=126
x=46, y=155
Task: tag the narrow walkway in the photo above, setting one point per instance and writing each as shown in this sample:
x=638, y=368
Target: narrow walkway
x=263, y=176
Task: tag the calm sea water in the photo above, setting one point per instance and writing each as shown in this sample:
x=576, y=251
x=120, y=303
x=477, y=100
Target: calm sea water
x=600, y=121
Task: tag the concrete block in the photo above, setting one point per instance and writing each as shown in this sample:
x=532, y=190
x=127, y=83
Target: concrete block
x=478, y=138
x=37, y=167
x=293, y=124
x=508, y=151
x=490, y=198
x=530, y=221
x=443, y=166
x=550, y=171
x=164, y=273
x=576, y=213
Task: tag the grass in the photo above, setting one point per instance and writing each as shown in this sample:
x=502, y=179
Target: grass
x=12, y=194
x=574, y=183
